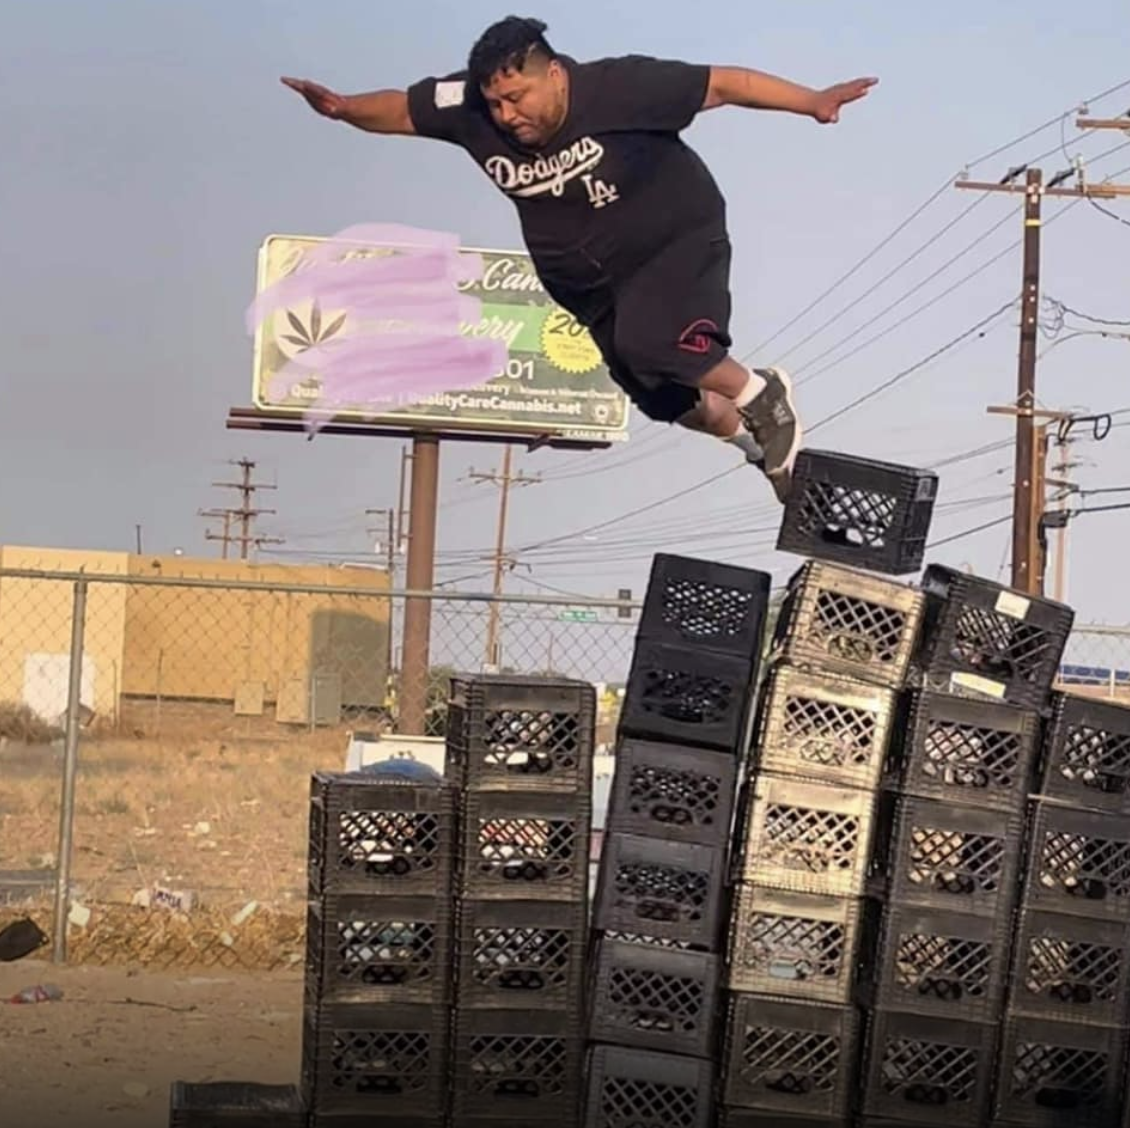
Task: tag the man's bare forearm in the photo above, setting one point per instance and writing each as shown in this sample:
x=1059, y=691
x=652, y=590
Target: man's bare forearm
x=380, y=111
x=739, y=86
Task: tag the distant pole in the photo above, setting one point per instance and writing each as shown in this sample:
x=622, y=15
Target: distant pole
x=390, y=567
x=505, y=479
x=244, y=514
x=137, y=529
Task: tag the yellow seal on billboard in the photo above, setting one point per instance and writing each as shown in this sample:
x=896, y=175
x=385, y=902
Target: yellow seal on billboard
x=567, y=344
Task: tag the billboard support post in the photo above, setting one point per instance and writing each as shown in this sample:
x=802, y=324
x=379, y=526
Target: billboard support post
x=414, y=659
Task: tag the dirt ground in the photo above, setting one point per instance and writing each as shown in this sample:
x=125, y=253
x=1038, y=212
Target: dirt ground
x=150, y=996
x=106, y=1054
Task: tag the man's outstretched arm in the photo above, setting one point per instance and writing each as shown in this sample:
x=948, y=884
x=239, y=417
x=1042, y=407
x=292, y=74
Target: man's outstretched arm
x=739, y=86
x=382, y=111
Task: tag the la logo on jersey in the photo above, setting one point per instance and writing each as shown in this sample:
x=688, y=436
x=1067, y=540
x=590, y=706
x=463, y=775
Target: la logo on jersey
x=600, y=194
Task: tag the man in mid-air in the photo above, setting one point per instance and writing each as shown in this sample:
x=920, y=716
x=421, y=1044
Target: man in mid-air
x=624, y=223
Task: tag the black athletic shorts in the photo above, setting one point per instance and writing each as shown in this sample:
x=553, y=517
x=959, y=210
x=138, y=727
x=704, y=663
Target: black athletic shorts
x=669, y=325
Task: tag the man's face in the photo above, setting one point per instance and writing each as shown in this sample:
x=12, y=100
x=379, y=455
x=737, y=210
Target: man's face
x=528, y=104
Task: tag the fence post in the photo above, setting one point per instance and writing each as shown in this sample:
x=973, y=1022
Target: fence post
x=70, y=769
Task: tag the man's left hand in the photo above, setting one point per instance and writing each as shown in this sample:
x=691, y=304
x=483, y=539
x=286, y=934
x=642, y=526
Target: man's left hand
x=826, y=107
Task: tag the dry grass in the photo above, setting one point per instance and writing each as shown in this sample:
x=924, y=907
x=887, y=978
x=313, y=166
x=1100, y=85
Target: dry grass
x=226, y=820
x=19, y=723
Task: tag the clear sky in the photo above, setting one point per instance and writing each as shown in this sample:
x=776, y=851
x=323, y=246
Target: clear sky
x=146, y=149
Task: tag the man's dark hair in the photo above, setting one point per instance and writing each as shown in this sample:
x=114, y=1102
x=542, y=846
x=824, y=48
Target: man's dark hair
x=507, y=45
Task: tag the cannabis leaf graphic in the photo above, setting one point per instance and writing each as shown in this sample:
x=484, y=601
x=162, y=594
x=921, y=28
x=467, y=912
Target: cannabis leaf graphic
x=305, y=338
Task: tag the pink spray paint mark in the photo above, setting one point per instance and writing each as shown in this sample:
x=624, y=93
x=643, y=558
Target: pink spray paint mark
x=393, y=335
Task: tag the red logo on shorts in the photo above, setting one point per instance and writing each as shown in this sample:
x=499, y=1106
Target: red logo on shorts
x=695, y=338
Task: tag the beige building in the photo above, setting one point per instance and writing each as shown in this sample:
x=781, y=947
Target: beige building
x=263, y=645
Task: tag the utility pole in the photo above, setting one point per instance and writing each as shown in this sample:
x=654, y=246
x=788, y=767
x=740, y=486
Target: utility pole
x=1065, y=488
x=405, y=461
x=390, y=564
x=505, y=479
x=390, y=539
x=246, y=512
x=1025, y=494
x=225, y=516
x=1027, y=499
x=1023, y=490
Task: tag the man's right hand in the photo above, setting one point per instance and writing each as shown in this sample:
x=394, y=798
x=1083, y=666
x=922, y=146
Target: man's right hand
x=321, y=100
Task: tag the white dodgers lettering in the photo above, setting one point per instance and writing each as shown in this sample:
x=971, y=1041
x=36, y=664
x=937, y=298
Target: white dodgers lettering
x=550, y=174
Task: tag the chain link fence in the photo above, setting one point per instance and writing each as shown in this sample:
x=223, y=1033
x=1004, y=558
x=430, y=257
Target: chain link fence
x=201, y=709
x=1097, y=662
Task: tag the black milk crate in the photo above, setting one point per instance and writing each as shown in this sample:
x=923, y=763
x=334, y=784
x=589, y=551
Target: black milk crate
x=1071, y=969
x=974, y=753
x=960, y=859
x=806, y=837
x=1056, y=1073
x=922, y=1069
x=948, y=964
x=383, y=836
x=799, y=1059
x=689, y=697
x=385, y=1061
x=1078, y=863
x=238, y=1104
x=523, y=1065
x=466, y=1121
x=796, y=945
x=753, y=1118
x=362, y=948
x=513, y=954
x=990, y=642
x=1087, y=754
x=653, y=998
x=704, y=605
x=823, y=727
x=364, y=1120
x=664, y=791
x=842, y=621
x=667, y=890
x=525, y=845
x=858, y=511
x=513, y=732
x=630, y=1088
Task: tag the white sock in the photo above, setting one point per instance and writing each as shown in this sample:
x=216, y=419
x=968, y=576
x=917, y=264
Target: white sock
x=745, y=442
x=755, y=385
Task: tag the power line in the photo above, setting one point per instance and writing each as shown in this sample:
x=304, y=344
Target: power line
x=940, y=191
x=1063, y=307
x=886, y=277
x=898, y=377
x=937, y=298
x=969, y=532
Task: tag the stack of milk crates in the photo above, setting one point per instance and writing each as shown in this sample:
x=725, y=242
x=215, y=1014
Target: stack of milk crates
x=809, y=846
x=1064, y=1039
x=378, y=984
x=660, y=907
x=519, y=750
x=970, y=727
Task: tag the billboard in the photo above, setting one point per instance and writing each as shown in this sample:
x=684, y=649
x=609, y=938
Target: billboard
x=554, y=380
